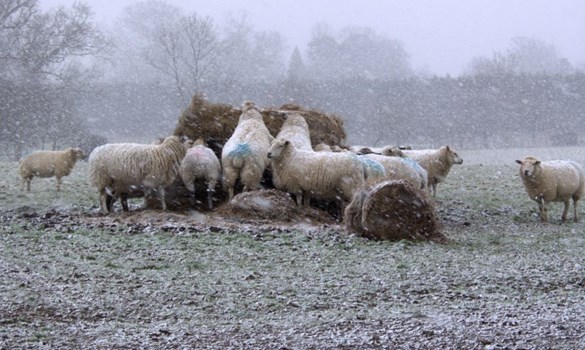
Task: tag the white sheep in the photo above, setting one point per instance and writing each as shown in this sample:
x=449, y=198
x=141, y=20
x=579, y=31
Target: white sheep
x=437, y=163
x=244, y=154
x=374, y=171
x=390, y=151
x=48, y=164
x=118, y=169
x=323, y=175
x=296, y=130
x=200, y=163
x=552, y=181
x=397, y=168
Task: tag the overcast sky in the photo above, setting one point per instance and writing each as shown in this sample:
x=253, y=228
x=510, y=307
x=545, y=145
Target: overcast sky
x=442, y=36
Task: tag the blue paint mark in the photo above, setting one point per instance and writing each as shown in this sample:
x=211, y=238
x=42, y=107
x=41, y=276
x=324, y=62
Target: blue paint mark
x=373, y=165
x=241, y=150
x=412, y=163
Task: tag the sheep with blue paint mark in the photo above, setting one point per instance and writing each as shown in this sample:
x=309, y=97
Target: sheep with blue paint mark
x=398, y=168
x=322, y=175
x=374, y=171
x=244, y=154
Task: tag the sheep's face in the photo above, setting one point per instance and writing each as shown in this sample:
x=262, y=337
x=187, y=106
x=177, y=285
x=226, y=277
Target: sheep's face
x=529, y=166
x=453, y=156
x=78, y=153
x=278, y=146
x=396, y=152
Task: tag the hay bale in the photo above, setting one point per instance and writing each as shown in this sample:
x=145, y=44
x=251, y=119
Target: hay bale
x=216, y=123
x=393, y=210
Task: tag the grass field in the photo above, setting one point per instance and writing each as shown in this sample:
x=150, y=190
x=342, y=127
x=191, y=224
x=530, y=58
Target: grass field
x=70, y=278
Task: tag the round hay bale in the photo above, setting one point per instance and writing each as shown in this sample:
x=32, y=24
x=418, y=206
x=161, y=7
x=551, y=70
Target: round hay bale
x=393, y=210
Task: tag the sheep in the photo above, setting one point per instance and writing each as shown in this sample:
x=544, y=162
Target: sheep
x=552, y=181
x=397, y=168
x=390, y=151
x=325, y=175
x=374, y=171
x=296, y=130
x=437, y=163
x=244, y=154
x=117, y=169
x=200, y=162
x=48, y=164
x=323, y=147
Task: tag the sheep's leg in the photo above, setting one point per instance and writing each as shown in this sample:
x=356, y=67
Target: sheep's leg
x=58, y=184
x=306, y=199
x=27, y=180
x=210, y=191
x=124, y=201
x=192, y=198
x=575, y=217
x=109, y=202
x=230, y=176
x=209, y=199
x=543, y=210
x=565, y=210
x=105, y=203
x=162, y=198
x=434, y=186
x=299, y=198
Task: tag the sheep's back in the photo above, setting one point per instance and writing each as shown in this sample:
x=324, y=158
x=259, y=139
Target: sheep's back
x=323, y=173
x=566, y=176
x=200, y=162
x=398, y=169
x=130, y=164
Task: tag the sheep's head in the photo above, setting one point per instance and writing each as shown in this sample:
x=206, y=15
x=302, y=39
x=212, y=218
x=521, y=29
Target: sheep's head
x=278, y=146
x=454, y=158
x=77, y=153
x=392, y=152
x=529, y=166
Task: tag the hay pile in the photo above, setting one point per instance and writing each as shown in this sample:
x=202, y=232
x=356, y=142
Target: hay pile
x=216, y=122
x=271, y=205
x=393, y=210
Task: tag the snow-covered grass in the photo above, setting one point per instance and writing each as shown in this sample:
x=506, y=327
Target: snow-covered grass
x=503, y=281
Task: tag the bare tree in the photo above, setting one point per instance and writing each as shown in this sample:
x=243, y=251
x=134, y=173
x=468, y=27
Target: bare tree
x=356, y=52
x=40, y=63
x=181, y=49
x=525, y=56
x=248, y=55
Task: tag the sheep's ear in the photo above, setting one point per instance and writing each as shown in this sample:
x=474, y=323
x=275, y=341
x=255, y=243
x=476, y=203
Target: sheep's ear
x=286, y=143
x=537, y=162
x=448, y=148
x=518, y=161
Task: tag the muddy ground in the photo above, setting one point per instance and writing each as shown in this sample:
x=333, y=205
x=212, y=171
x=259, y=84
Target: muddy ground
x=71, y=278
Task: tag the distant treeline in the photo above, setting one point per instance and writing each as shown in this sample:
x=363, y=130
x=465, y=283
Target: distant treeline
x=467, y=112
